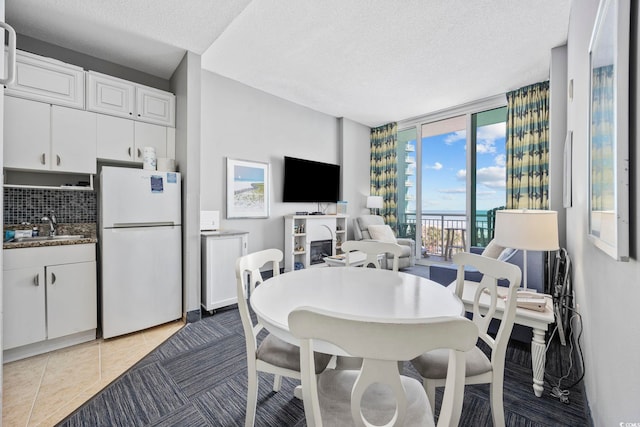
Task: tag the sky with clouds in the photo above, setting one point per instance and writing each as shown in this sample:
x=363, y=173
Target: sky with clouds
x=444, y=170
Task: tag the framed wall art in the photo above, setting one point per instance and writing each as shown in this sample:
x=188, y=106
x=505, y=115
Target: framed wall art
x=609, y=129
x=248, y=189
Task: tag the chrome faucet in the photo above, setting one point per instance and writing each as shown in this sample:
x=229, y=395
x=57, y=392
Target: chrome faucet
x=53, y=224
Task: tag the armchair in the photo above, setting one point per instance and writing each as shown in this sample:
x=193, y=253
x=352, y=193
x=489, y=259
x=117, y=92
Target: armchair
x=361, y=232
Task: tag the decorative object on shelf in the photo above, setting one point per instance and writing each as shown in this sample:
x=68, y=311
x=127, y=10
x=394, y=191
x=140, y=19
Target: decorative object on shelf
x=341, y=207
x=248, y=189
x=527, y=229
x=609, y=130
x=374, y=203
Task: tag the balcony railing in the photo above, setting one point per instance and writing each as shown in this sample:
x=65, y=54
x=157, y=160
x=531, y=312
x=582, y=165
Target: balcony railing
x=433, y=231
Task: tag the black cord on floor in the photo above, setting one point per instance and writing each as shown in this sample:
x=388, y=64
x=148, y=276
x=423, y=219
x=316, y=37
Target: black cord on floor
x=557, y=391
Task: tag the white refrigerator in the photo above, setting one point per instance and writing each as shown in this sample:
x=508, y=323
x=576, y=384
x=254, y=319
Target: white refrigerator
x=140, y=249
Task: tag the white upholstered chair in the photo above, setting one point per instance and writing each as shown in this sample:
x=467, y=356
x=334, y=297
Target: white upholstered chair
x=480, y=369
x=377, y=394
x=372, y=249
x=273, y=355
x=365, y=227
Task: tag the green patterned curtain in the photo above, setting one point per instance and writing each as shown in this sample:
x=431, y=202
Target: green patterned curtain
x=528, y=147
x=602, y=148
x=384, y=170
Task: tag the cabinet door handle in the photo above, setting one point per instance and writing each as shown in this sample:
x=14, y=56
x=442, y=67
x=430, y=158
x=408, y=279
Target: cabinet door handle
x=53, y=278
x=36, y=279
x=58, y=159
x=139, y=153
x=129, y=151
x=44, y=159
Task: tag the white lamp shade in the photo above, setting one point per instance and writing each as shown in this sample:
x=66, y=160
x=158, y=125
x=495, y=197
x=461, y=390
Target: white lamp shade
x=528, y=229
x=374, y=202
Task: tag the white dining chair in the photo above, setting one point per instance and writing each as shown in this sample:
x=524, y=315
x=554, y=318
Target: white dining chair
x=372, y=249
x=480, y=369
x=273, y=355
x=377, y=394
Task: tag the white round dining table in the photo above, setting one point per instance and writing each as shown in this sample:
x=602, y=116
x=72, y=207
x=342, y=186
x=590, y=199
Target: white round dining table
x=378, y=295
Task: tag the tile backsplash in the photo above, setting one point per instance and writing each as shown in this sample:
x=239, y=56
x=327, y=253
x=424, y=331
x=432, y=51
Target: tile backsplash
x=31, y=204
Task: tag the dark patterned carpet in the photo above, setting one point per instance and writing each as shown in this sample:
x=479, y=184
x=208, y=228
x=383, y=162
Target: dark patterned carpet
x=198, y=378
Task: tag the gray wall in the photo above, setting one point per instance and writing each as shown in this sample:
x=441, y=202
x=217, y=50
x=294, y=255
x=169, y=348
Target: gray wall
x=244, y=123
x=557, y=135
x=607, y=291
x=186, y=84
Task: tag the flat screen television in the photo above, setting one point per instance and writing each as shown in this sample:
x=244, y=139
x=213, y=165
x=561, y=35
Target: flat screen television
x=310, y=181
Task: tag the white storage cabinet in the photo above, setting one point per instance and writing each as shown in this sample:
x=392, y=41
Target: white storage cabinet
x=123, y=140
x=49, y=293
x=47, y=80
x=40, y=136
x=220, y=250
x=111, y=95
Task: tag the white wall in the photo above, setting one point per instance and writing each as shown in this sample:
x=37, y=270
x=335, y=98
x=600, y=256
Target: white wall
x=244, y=123
x=607, y=291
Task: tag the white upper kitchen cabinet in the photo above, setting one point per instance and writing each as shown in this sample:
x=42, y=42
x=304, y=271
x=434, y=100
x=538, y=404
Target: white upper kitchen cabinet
x=148, y=135
x=73, y=140
x=27, y=134
x=47, y=80
x=115, y=138
x=123, y=139
x=39, y=136
x=155, y=106
x=118, y=97
x=110, y=95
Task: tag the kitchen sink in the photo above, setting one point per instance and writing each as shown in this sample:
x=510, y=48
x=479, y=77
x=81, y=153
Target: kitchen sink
x=48, y=238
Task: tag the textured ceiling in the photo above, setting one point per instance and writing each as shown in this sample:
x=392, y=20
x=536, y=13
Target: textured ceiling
x=371, y=61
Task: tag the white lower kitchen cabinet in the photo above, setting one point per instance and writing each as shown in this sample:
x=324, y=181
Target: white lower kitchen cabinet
x=49, y=298
x=220, y=250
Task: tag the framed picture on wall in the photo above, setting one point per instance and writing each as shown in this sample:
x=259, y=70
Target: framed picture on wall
x=248, y=189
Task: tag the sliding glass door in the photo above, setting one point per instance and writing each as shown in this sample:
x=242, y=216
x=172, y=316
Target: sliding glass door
x=452, y=181
x=443, y=191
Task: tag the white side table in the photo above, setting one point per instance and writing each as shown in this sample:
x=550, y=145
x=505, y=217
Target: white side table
x=539, y=321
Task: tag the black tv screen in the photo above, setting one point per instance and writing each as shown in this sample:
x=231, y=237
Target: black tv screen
x=310, y=181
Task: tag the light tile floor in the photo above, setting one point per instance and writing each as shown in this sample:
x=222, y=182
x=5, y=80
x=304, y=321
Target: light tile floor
x=42, y=390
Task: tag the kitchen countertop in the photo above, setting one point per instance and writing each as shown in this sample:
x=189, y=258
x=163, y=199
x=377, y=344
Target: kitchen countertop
x=205, y=233
x=85, y=229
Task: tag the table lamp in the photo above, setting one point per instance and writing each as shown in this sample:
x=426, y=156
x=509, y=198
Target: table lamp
x=527, y=229
x=375, y=202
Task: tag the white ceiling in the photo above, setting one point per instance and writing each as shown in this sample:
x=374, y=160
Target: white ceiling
x=371, y=61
